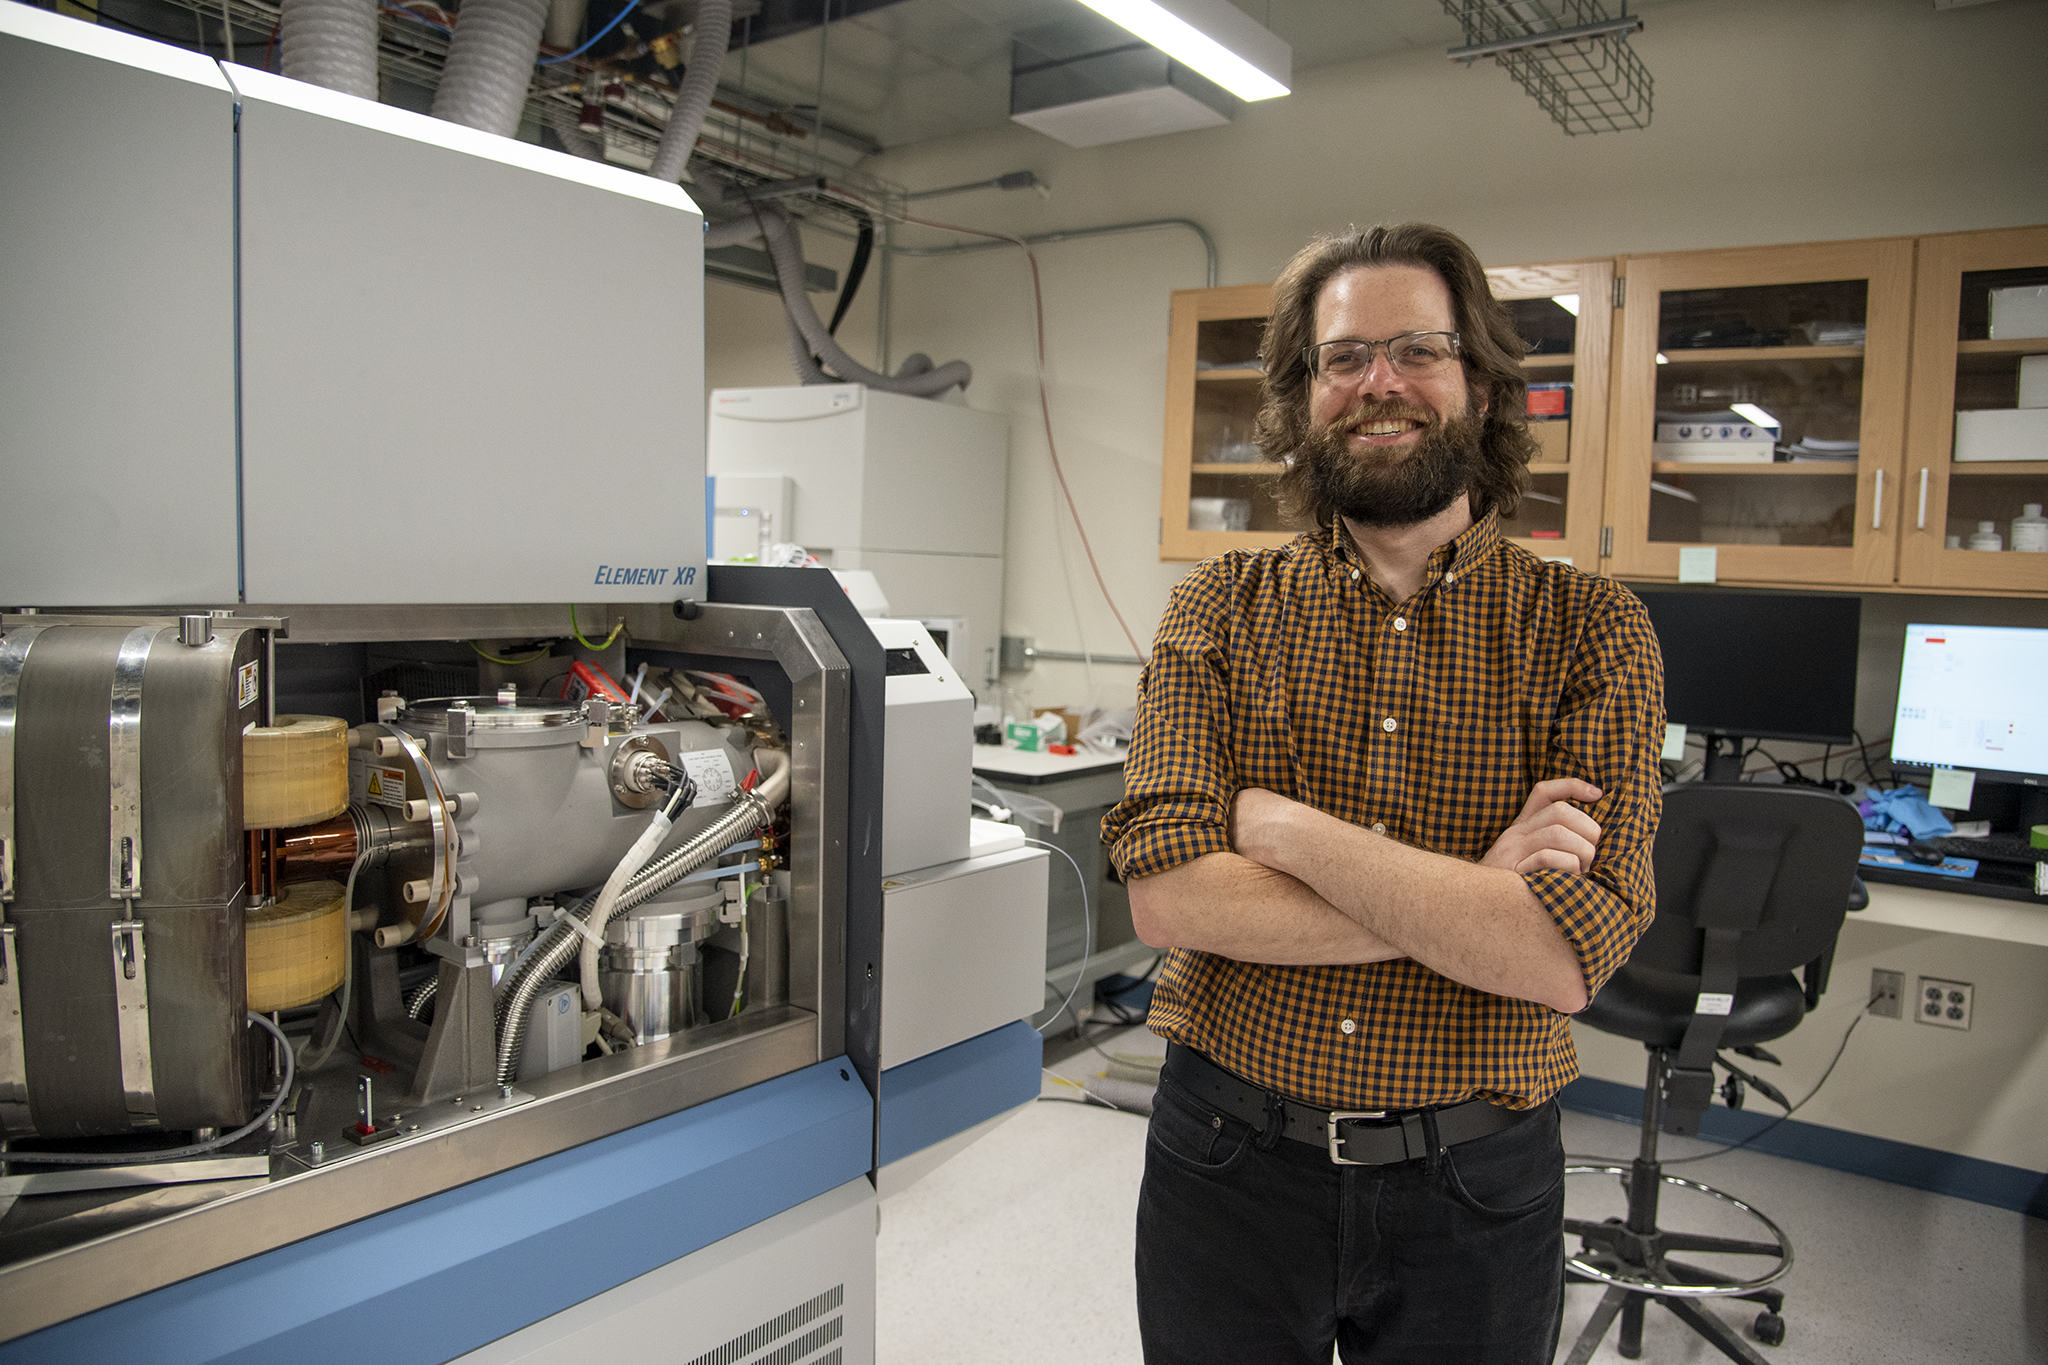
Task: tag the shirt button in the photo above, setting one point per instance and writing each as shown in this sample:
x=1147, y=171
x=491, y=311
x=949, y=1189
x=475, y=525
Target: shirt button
x=1389, y=725
x=1400, y=623
x=1348, y=1026
x=1450, y=577
x=1378, y=827
x=1354, y=575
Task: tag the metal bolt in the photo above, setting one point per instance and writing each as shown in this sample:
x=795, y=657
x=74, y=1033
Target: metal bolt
x=317, y=1152
x=504, y=1092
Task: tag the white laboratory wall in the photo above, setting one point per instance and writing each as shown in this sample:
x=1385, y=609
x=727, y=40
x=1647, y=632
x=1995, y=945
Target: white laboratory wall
x=1774, y=123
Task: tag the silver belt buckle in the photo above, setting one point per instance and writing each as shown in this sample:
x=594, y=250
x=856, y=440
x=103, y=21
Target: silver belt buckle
x=1336, y=1141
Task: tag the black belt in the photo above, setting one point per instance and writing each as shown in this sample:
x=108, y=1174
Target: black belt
x=1373, y=1137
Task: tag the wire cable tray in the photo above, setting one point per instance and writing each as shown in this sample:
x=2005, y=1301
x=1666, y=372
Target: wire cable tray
x=1572, y=56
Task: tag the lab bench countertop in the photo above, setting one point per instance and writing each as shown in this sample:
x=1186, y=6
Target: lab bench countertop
x=1031, y=769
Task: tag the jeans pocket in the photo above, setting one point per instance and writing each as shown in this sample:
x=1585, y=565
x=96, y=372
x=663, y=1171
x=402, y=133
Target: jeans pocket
x=1191, y=1134
x=1510, y=1174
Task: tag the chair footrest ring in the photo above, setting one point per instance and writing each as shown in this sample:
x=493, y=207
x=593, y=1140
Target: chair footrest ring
x=1615, y=1270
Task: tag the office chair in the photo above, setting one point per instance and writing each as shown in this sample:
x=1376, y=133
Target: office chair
x=1752, y=883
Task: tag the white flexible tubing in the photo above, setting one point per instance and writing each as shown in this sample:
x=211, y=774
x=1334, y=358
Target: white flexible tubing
x=711, y=32
x=331, y=43
x=593, y=927
x=490, y=64
x=787, y=254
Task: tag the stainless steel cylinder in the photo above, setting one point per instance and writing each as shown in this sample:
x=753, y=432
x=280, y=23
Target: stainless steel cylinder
x=649, y=971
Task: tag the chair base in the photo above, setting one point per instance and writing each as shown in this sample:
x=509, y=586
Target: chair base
x=1637, y=1269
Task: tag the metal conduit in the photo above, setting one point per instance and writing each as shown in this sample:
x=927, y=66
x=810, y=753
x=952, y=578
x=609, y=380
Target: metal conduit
x=1068, y=235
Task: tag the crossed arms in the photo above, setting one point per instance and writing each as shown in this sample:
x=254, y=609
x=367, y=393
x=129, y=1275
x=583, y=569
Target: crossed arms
x=1304, y=887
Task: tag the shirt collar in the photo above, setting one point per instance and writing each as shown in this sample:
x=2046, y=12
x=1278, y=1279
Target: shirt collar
x=1448, y=563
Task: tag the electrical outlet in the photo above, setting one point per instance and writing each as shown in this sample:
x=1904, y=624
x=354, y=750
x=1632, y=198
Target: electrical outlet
x=1885, y=990
x=1945, y=1004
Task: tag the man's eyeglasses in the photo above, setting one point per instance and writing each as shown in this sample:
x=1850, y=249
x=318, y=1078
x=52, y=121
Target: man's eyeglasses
x=1411, y=353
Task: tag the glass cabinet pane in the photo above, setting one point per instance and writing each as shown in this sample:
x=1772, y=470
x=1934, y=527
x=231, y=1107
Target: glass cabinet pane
x=1999, y=468
x=1229, y=485
x=1759, y=396
x=1550, y=327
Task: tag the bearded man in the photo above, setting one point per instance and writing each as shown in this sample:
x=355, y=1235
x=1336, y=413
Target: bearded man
x=1389, y=806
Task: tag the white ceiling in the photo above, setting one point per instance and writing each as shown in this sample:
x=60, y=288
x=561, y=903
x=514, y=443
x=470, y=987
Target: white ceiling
x=920, y=69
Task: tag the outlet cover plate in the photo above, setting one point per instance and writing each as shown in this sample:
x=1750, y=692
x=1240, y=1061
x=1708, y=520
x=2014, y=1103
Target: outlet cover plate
x=1945, y=1004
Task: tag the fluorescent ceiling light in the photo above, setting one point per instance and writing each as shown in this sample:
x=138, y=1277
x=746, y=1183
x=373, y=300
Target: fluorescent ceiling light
x=1755, y=414
x=1568, y=302
x=1213, y=37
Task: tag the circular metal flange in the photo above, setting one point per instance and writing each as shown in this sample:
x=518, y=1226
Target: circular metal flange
x=438, y=851
x=490, y=713
x=1673, y=1289
x=622, y=771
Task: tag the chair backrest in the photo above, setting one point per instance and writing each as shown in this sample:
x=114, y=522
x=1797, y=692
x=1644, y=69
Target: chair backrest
x=1775, y=862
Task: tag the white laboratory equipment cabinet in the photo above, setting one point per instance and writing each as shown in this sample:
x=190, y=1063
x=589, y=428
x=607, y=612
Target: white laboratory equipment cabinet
x=910, y=489
x=277, y=406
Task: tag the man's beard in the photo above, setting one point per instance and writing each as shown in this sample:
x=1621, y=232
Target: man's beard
x=1393, y=488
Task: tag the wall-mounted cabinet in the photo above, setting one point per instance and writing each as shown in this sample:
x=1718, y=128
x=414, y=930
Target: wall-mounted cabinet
x=1977, y=434
x=1854, y=415
x=1760, y=409
x=1216, y=494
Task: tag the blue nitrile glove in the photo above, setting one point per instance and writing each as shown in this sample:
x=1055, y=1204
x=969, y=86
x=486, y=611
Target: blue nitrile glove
x=1906, y=808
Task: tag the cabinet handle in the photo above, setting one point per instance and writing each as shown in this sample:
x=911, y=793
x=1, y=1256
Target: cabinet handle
x=1877, y=504
x=1922, y=524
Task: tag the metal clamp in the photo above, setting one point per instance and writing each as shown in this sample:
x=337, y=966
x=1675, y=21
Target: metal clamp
x=14, y=649
x=131, y=1019
x=124, y=766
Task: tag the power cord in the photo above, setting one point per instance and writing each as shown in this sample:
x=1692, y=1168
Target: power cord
x=1738, y=1146
x=1088, y=941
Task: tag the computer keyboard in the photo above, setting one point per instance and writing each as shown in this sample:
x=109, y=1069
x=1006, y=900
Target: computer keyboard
x=1998, y=848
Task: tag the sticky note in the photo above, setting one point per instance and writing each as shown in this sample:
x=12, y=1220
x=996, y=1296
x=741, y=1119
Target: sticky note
x=1696, y=563
x=1674, y=743
x=1951, y=788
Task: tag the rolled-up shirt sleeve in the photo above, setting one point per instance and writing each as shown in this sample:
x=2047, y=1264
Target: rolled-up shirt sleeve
x=1609, y=730
x=1179, y=776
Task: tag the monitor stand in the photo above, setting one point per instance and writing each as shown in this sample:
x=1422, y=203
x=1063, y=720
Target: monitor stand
x=1724, y=759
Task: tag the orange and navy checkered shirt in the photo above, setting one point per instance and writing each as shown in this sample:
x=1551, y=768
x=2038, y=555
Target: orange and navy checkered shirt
x=1278, y=669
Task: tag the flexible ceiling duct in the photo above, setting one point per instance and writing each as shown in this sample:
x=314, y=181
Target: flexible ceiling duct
x=331, y=43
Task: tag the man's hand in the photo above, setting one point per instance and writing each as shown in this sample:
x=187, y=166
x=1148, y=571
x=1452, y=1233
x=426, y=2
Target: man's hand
x=1550, y=832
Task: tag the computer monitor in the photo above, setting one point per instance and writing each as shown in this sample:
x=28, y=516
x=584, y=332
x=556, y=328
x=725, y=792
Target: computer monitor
x=1740, y=666
x=1975, y=698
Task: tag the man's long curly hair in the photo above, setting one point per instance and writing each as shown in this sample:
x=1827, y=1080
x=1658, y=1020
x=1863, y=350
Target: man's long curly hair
x=1490, y=350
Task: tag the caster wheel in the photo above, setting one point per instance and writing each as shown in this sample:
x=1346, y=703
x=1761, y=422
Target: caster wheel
x=1769, y=1329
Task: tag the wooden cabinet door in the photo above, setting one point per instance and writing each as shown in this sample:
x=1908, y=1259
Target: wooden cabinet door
x=1715, y=348
x=1566, y=313
x=1978, y=313
x=1211, y=476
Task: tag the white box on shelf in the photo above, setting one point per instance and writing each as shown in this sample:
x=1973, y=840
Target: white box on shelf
x=1714, y=452
x=2021, y=311
x=2034, y=381
x=1996, y=434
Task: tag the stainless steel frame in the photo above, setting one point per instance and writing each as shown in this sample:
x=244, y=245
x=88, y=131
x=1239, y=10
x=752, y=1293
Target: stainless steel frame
x=570, y=1107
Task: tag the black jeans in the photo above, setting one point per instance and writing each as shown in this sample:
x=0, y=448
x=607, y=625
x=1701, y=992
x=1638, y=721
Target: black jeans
x=1258, y=1256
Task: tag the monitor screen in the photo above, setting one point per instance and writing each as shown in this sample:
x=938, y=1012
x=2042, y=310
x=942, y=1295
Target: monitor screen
x=1973, y=697
x=1758, y=665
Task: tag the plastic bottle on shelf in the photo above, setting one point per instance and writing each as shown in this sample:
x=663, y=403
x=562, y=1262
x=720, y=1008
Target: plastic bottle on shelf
x=1986, y=537
x=2030, y=530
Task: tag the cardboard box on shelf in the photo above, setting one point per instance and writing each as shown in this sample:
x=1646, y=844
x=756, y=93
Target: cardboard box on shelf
x=1553, y=441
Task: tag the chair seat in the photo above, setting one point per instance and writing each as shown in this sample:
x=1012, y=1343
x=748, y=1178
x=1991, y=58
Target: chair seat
x=1654, y=1007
